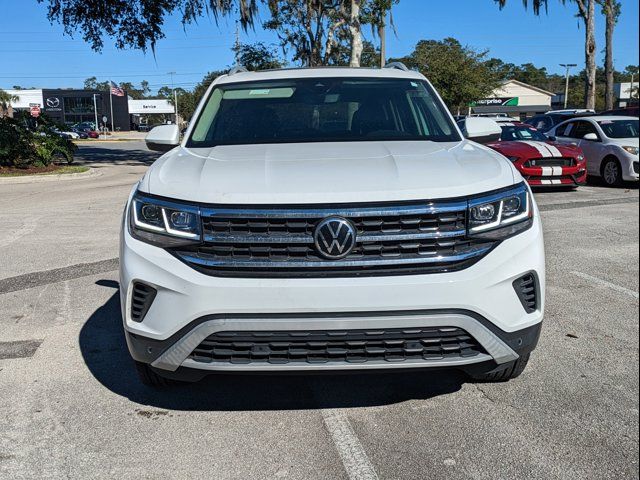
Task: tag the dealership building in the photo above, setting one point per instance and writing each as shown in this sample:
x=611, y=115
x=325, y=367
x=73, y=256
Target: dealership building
x=516, y=99
x=72, y=106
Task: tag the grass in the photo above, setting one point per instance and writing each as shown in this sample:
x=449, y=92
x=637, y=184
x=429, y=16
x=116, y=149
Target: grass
x=61, y=170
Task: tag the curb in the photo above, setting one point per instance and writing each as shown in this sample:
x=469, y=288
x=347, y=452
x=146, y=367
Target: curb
x=92, y=172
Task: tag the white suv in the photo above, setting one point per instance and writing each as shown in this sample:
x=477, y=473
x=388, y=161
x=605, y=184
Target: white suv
x=329, y=219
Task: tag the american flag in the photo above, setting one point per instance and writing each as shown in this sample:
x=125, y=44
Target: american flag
x=116, y=90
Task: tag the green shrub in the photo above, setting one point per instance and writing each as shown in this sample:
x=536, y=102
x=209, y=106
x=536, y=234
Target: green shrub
x=22, y=145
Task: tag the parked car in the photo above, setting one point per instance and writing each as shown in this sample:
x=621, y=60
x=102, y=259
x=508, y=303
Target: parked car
x=545, y=122
x=541, y=161
x=66, y=133
x=610, y=145
x=624, y=112
x=81, y=133
x=329, y=219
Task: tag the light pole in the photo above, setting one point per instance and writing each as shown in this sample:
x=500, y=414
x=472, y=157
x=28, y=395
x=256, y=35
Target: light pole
x=175, y=97
x=95, y=109
x=566, y=85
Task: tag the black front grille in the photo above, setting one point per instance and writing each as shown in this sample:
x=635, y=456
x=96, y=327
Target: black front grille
x=550, y=162
x=410, y=238
x=326, y=346
x=526, y=288
x=142, y=297
x=636, y=167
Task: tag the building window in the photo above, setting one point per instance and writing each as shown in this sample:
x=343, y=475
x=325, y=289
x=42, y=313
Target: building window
x=78, y=105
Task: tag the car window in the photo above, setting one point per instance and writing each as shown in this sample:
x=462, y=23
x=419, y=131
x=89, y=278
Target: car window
x=541, y=122
x=620, y=128
x=581, y=129
x=521, y=132
x=565, y=129
x=322, y=110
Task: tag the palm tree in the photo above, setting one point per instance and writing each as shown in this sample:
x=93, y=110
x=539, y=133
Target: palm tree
x=5, y=103
x=611, y=10
x=537, y=4
x=586, y=11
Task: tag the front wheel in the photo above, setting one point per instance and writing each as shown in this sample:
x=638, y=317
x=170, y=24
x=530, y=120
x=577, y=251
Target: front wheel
x=150, y=378
x=612, y=172
x=513, y=370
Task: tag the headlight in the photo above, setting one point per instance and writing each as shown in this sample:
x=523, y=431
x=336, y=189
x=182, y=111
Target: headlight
x=631, y=150
x=164, y=223
x=500, y=215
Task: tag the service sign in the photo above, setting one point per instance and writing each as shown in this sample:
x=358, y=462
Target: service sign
x=35, y=110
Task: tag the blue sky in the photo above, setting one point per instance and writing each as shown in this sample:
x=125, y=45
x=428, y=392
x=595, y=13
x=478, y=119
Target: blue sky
x=36, y=53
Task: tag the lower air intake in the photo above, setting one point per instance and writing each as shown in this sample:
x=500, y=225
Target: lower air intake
x=353, y=346
x=142, y=297
x=526, y=288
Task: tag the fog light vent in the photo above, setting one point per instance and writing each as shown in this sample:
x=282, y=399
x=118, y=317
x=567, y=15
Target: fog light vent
x=526, y=288
x=141, y=299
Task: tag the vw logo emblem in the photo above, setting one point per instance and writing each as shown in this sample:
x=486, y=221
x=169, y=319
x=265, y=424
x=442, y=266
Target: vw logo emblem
x=53, y=102
x=334, y=237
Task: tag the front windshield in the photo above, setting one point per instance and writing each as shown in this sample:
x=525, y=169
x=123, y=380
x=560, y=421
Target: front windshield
x=322, y=110
x=620, y=128
x=511, y=133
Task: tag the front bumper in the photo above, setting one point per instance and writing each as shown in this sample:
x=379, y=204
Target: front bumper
x=190, y=305
x=630, y=168
x=554, y=176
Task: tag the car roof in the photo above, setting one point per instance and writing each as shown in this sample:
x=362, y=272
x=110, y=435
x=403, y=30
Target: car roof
x=612, y=117
x=320, y=72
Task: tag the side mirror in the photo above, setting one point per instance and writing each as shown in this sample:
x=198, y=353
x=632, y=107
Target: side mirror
x=481, y=129
x=163, y=138
x=592, y=137
x=552, y=138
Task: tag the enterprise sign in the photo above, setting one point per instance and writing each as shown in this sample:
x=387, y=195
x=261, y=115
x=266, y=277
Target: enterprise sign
x=496, y=102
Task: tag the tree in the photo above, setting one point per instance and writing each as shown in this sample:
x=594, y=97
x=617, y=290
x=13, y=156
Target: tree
x=459, y=73
x=375, y=13
x=587, y=11
x=308, y=27
x=537, y=4
x=138, y=23
x=92, y=83
x=5, y=103
x=257, y=56
x=611, y=10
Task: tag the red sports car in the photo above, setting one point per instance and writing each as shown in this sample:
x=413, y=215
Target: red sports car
x=541, y=161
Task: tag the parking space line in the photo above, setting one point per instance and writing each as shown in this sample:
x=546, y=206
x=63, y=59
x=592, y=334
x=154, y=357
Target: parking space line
x=46, y=277
x=354, y=459
x=607, y=284
x=545, y=207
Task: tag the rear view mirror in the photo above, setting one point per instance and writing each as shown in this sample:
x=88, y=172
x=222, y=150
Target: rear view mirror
x=163, y=138
x=481, y=129
x=592, y=137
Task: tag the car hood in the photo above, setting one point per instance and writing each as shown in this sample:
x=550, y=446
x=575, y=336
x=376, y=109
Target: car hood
x=328, y=172
x=535, y=149
x=623, y=142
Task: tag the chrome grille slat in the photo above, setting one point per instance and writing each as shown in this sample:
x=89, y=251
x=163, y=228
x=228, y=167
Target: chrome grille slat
x=410, y=238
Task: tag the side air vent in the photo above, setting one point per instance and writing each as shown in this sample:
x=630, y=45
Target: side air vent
x=141, y=299
x=526, y=288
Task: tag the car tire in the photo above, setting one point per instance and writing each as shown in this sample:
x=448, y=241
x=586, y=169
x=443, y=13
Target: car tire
x=513, y=370
x=612, y=172
x=150, y=378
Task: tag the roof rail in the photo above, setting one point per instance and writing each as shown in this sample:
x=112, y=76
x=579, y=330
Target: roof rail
x=398, y=65
x=237, y=69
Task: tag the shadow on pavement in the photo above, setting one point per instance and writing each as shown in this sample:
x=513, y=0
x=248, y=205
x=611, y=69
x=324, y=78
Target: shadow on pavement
x=105, y=353
x=120, y=154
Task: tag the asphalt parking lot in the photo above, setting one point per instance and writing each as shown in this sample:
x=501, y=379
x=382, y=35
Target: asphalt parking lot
x=71, y=405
